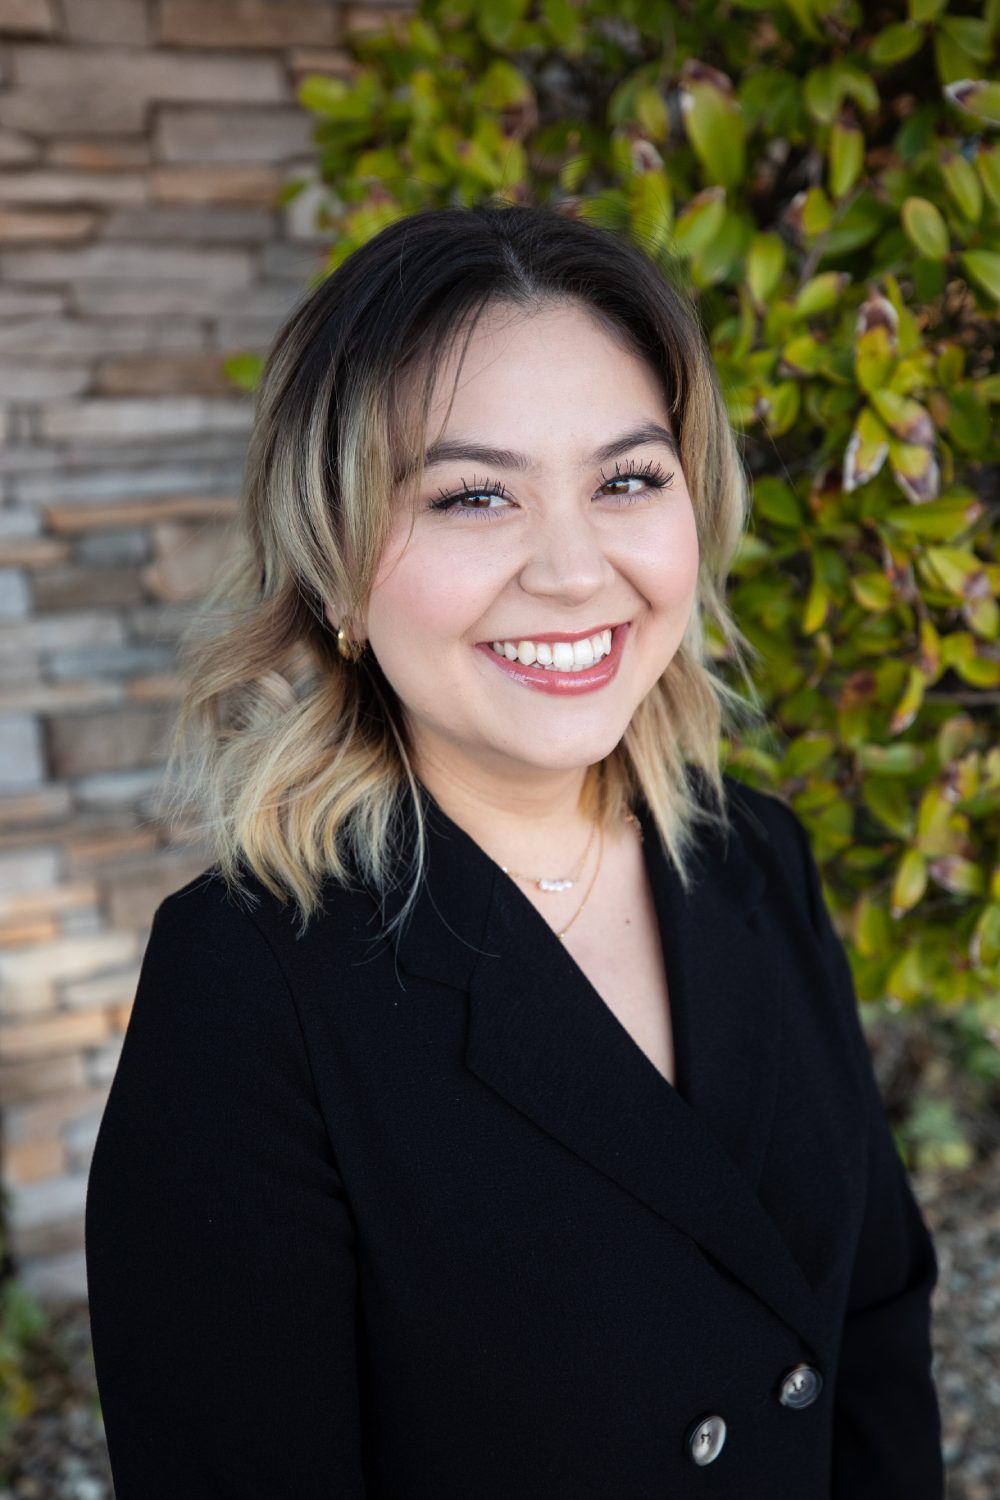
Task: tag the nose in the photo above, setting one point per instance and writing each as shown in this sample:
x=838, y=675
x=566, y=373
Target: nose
x=565, y=560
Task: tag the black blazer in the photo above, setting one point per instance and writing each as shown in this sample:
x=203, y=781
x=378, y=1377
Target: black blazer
x=424, y=1221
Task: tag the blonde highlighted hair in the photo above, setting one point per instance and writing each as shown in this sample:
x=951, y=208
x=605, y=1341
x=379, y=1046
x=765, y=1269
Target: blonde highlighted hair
x=294, y=761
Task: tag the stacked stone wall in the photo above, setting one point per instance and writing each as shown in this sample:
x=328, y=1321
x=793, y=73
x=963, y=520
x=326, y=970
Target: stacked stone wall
x=143, y=146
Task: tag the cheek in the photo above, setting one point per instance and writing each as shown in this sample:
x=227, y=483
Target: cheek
x=667, y=559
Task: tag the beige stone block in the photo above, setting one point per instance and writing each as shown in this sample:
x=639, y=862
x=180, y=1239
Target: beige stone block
x=16, y=932
x=27, y=17
x=22, y=303
x=72, y=587
x=24, y=382
x=120, y=1015
x=16, y=150
x=232, y=135
x=159, y=687
x=37, y=1077
x=38, y=1120
x=83, y=518
x=24, y=226
x=104, y=417
x=94, y=848
x=31, y=1160
x=231, y=184
x=65, y=959
x=24, y=872
x=33, y=552
x=122, y=23
x=107, y=90
x=65, y=1031
x=56, y=1281
x=49, y=186
x=191, y=374
x=79, y=338
x=102, y=1061
x=47, y=1241
x=29, y=810
x=248, y=23
x=59, y=632
x=332, y=60
x=123, y=740
x=135, y=891
x=99, y=155
x=48, y=900
x=115, y=261
x=361, y=19
x=191, y=222
x=60, y=697
x=109, y=990
x=188, y=558
x=22, y=764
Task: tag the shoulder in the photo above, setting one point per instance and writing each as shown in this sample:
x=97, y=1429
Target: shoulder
x=773, y=837
x=225, y=919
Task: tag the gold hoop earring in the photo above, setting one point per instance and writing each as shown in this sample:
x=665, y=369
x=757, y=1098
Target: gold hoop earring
x=349, y=650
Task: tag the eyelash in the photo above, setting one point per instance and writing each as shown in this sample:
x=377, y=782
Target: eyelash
x=655, y=476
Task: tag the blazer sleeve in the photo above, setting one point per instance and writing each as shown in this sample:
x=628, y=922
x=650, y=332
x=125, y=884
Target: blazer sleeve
x=220, y=1247
x=887, y=1429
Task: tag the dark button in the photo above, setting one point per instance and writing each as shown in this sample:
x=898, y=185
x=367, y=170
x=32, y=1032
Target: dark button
x=705, y=1440
x=800, y=1387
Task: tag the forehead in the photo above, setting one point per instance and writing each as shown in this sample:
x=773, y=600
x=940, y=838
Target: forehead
x=532, y=375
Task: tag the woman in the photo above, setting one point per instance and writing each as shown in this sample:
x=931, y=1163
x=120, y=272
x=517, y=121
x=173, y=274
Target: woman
x=494, y=1118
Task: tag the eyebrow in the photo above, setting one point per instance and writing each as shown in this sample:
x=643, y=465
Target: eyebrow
x=448, y=449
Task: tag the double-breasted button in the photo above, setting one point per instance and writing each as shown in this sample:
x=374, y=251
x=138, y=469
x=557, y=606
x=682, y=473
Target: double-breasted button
x=800, y=1387
x=705, y=1440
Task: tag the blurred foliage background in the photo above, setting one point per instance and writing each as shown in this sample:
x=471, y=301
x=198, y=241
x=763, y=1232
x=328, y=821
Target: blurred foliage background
x=825, y=180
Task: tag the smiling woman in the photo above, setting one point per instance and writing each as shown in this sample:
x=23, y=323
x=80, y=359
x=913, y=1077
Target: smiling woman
x=494, y=1117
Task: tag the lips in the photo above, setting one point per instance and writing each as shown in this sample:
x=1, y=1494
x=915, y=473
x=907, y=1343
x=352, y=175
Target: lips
x=562, y=684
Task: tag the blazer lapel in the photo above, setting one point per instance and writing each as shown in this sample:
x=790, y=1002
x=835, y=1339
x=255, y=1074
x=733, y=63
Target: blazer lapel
x=542, y=1037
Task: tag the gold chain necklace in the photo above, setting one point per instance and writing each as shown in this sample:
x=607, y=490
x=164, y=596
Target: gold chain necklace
x=631, y=818
x=555, y=883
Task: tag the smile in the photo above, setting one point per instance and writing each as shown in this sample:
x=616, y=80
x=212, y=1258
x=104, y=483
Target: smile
x=564, y=665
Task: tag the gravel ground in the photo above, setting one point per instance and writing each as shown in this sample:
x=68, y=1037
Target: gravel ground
x=59, y=1452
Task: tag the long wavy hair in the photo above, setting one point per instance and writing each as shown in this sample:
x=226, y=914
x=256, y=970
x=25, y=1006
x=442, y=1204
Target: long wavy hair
x=295, y=762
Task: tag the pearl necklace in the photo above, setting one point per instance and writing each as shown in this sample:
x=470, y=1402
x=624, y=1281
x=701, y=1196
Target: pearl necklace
x=544, y=884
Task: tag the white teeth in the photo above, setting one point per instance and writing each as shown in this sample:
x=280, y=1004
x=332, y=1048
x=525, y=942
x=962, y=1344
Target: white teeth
x=559, y=656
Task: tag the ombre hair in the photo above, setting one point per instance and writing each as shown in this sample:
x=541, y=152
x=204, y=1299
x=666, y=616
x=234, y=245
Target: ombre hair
x=295, y=760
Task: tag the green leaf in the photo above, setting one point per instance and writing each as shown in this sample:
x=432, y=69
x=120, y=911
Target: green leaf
x=984, y=268
x=925, y=228
x=970, y=33
x=969, y=424
x=963, y=184
x=847, y=154
x=776, y=502
x=244, y=370
x=874, y=357
x=890, y=760
x=866, y=451
x=820, y=295
x=937, y=520
x=715, y=129
x=925, y=10
x=896, y=43
x=904, y=416
x=910, y=882
x=651, y=208
x=889, y=802
x=988, y=167
x=765, y=263
x=977, y=96
x=701, y=221
x=498, y=20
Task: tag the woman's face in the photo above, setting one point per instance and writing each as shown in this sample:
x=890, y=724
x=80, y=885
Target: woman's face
x=560, y=539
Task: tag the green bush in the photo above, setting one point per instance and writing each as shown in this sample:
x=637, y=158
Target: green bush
x=825, y=176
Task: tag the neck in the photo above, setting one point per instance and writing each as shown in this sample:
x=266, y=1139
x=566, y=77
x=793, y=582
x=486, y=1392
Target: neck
x=525, y=821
